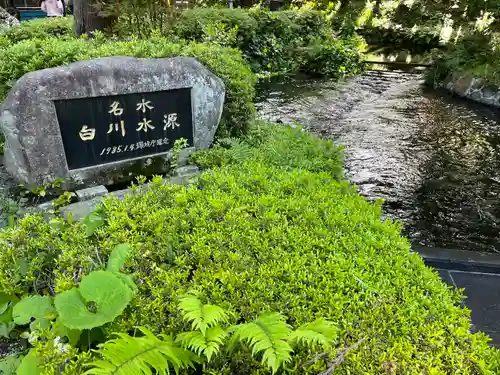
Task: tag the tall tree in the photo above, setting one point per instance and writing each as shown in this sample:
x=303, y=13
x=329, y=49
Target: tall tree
x=81, y=12
x=89, y=18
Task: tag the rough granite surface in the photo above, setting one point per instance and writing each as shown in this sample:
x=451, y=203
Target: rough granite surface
x=473, y=88
x=34, y=152
x=6, y=19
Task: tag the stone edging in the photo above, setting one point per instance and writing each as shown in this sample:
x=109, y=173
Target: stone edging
x=89, y=198
x=460, y=260
x=473, y=88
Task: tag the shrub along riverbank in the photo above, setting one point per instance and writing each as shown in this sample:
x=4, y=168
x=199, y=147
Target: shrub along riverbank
x=269, y=228
x=476, y=55
x=271, y=42
x=268, y=263
x=276, y=42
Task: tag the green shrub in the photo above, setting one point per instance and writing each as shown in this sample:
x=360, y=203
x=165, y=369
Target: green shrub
x=191, y=23
x=390, y=40
x=228, y=64
x=279, y=146
x=251, y=238
x=477, y=54
x=274, y=42
x=331, y=57
x=38, y=29
x=251, y=23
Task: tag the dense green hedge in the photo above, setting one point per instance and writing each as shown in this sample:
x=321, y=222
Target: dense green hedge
x=191, y=23
x=253, y=237
x=275, y=42
x=271, y=42
x=35, y=54
x=39, y=28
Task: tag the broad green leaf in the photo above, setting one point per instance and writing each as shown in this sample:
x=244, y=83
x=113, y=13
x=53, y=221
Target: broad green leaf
x=6, y=317
x=32, y=307
x=73, y=335
x=92, y=222
x=128, y=280
x=5, y=301
x=117, y=258
x=104, y=290
x=9, y=365
x=42, y=323
x=29, y=365
x=4, y=307
x=6, y=329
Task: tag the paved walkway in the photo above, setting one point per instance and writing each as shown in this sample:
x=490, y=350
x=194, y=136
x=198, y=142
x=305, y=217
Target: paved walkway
x=478, y=274
x=483, y=298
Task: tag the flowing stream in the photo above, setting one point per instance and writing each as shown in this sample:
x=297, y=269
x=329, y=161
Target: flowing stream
x=434, y=159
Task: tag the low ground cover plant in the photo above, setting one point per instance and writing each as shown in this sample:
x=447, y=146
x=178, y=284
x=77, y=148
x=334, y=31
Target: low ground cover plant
x=262, y=243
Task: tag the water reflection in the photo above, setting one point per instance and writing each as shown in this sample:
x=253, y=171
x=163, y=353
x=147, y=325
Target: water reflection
x=458, y=200
x=433, y=159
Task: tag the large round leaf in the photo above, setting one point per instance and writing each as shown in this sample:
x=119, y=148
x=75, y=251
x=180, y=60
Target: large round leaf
x=105, y=291
x=29, y=364
x=30, y=307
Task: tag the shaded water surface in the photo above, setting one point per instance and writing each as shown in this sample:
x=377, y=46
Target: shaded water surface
x=434, y=159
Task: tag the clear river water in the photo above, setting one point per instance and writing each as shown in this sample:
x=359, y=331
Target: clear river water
x=433, y=158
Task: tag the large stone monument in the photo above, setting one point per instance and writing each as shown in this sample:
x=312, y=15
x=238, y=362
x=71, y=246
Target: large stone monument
x=107, y=120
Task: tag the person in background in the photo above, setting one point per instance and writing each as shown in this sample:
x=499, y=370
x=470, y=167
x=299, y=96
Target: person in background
x=53, y=8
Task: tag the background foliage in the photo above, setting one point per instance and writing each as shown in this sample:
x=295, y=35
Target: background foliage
x=272, y=42
x=270, y=225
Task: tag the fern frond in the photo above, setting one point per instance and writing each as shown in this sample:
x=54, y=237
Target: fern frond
x=239, y=150
x=229, y=141
x=201, y=316
x=127, y=355
x=266, y=334
x=320, y=332
x=207, y=345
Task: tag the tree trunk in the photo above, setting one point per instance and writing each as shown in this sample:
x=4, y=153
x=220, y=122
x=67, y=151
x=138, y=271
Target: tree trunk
x=81, y=11
x=344, y=5
x=87, y=18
